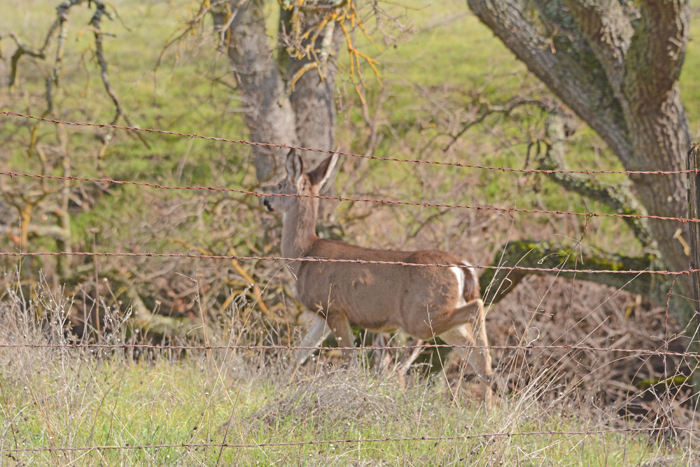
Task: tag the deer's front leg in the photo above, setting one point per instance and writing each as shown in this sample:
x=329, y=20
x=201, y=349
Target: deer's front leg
x=340, y=326
x=315, y=337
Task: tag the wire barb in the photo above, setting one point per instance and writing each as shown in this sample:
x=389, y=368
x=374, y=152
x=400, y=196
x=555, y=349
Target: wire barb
x=682, y=220
x=570, y=348
x=349, y=441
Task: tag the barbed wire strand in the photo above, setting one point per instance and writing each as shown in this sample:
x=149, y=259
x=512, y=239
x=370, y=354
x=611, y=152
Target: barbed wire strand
x=306, y=259
x=682, y=220
x=571, y=348
x=363, y=156
x=348, y=441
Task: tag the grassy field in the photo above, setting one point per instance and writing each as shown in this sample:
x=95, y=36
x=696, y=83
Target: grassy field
x=90, y=400
x=116, y=403
x=437, y=72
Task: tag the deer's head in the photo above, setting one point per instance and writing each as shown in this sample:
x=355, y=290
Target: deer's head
x=298, y=182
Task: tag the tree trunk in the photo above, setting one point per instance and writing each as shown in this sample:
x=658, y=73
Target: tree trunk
x=313, y=98
x=300, y=113
x=269, y=119
x=620, y=75
x=313, y=94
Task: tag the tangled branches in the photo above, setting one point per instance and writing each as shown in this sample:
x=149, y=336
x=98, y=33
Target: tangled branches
x=307, y=31
x=41, y=201
x=52, y=80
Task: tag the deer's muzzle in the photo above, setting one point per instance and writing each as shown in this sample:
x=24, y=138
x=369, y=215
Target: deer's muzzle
x=266, y=203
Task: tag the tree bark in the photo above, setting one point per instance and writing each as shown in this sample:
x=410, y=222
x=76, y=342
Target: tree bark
x=278, y=110
x=618, y=197
x=497, y=283
x=617, y=68
x=313, y=94
x=269, y=118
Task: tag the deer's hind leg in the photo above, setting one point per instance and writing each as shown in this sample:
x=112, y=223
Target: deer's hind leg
x=340, y=326
x=471, y=331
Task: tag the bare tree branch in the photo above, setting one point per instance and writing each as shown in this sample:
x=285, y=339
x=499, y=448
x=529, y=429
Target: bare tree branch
x=99, y=54
x=504, y=109
x=26, y=202
x=54, y=231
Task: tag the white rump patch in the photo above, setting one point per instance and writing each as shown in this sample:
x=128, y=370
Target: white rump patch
x=460, y=281
x=473, y=271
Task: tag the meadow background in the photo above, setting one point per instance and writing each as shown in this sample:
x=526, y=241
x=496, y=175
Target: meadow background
x=440, y=70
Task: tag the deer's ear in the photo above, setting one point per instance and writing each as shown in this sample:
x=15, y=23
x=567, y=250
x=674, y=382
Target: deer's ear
x=294, y=166
x=321, y=174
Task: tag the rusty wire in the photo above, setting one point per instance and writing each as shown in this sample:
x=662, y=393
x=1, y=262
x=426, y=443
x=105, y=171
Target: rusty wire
x=307, y=259
x=571, y=348
x=361, y=200
x=350, y=441
x=363, y=156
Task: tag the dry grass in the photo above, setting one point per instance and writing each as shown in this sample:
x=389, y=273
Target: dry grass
x=330, y=398
x=549, y=311
x=59, y=397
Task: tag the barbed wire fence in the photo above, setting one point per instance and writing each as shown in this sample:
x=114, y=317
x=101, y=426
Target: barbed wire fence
x=693, y=219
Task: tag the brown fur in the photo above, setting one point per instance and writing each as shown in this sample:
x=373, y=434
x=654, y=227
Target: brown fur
x=421, y=300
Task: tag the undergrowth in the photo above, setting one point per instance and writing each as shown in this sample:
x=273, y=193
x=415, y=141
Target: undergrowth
x=117, y=406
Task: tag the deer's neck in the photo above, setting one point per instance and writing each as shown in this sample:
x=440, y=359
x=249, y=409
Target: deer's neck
x=299, y=231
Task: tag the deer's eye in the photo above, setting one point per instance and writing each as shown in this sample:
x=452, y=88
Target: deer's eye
x=279, y=186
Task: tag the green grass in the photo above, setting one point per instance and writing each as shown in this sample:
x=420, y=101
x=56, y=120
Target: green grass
x=85, y=407
x=66, y=402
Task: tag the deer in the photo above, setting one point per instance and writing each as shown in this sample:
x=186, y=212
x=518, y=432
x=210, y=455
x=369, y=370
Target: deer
x=439, y=298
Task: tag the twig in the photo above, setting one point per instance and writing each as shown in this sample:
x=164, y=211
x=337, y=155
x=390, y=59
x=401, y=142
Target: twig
x=497, y=109
x=95, y=23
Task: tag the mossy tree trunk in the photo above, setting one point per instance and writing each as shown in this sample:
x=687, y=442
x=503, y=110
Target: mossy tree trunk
x=616, y=65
